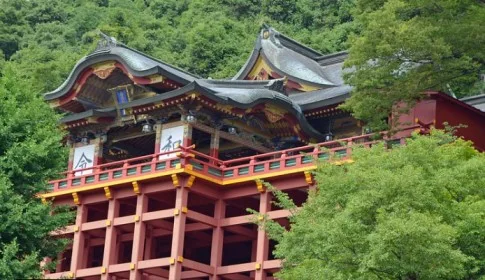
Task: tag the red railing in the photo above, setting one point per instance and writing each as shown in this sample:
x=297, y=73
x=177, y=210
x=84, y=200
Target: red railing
x=263, y=164
x=117, y=170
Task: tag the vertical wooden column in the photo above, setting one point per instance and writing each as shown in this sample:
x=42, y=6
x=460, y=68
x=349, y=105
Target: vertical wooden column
x=98, y=151
x=178, y=233
x=217, y=238
x=70, y=163
x=60, y=259
x=263, y=242
x=148, y=242
x=187, y=135
x=78, y=241
x=138, y=237
x=158, y=136
x=214, y=145
x=110, y=241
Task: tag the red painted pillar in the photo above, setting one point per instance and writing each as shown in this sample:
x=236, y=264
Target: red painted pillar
x=109, y=254
x=60, y=259
x=158, y=135
x=217, y=238
x=187, y=135
x=214, y=145
x=138, y=237
x=78, y=241
x=98, y=152
x=148, y=242
x=178, y=233
x=263, y=242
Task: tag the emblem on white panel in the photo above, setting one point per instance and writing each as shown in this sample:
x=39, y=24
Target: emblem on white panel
x=171, y=139
x=83, y=158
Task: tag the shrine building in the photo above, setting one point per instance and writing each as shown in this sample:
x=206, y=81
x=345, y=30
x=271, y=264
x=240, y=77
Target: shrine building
x=164, y=164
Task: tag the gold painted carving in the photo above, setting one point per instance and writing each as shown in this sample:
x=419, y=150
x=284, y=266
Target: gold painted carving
x=75, y=197
x=156, y=79
x=258, y=66
x=190, y=181
x=136, y=187
x=175, y=180
x=103, y=70
x=259, y=186
x=107, y=193
x=273, y=113
x=224, y=108
x=308, y=177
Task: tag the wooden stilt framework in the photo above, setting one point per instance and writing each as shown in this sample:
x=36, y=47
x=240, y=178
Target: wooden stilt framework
x=183, y=216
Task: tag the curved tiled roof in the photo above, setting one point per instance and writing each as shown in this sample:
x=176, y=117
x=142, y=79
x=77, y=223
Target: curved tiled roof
x=320, y=98
x=296, y=61
x=477, y=101
x=240, y=94
x=292, y=59
x=300, y=63
x=137, y=63
x=106, y=112
x=291, y=63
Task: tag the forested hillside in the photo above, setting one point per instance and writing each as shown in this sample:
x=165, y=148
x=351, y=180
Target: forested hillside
x=412, y=45
x=208, y=37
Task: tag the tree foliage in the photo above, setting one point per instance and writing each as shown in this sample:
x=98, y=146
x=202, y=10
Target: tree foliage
x=398, y=48
x=413, y=212
x=30, y=154
x=410, y=46
x=45, y=38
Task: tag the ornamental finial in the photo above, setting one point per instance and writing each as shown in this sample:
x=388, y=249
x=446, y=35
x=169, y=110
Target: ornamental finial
x=106, y=42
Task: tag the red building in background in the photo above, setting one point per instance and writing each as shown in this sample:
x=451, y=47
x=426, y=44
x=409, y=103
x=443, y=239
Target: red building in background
x=164, y=164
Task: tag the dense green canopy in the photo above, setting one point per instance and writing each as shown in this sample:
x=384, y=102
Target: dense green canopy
x=30, y=154
x=210, y=38
x=398, y=48
x=410, y=46
x=413, y=212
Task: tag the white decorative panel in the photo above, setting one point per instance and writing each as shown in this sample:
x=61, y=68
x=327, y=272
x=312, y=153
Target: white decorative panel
x=170, y=140
x=83, y=158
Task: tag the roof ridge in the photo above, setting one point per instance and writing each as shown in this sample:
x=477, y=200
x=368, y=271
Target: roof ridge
x=330, y=55
x=291, y=43
x=468, y=98
x=106, y=43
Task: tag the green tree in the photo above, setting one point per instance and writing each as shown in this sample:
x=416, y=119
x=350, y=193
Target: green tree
x=413, y=212
x=407, y=47
x=30, y=153
x=210, y=38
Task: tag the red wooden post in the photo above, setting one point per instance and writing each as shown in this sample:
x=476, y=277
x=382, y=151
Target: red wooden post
x=349, y=148
x=138, y=237
x=178, y=233
x=214, y=146
x=78, y=242
x=109, y=253
x=217, y=238
x=263, y=242
x=148, y=242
